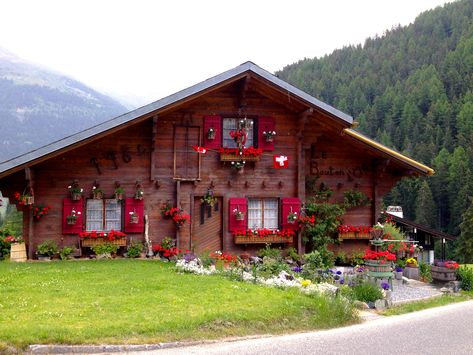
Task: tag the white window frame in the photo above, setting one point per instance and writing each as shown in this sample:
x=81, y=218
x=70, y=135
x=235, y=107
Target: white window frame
x=263, y=213
x=103, y=215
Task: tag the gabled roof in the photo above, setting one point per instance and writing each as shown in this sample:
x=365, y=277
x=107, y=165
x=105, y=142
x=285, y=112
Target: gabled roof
x=421, y=227
x=34, y=156
x=248, y=68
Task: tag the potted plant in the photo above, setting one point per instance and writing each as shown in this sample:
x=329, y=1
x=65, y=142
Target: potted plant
x=97, y=193
x=134, y=218
x=292, y=217
x=76, y=191
x=105, y=251
x=39, y=211
x=139, y=193
x=72, y=218
x=119, y=191
x=134, y=250
x=398, y=272
x=411, y=262
x=46, y=250
x=211, y=133
x=66, y=252
x=379, y=261
x=208, y=198
x=377, y=231
x=239, y=215
x=269, y=136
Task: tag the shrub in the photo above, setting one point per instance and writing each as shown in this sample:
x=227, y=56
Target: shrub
x=272, y=253
x=134, y=249
x=292, y=253
x=465, y=275
x=425, y=272
x=47, y=248
x=367, y=292
x=65, y=252
x=106, y=249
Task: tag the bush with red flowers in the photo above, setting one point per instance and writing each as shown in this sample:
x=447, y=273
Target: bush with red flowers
x=39, y=211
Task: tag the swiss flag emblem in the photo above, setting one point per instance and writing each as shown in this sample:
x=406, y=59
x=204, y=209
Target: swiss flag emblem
x=280, y=162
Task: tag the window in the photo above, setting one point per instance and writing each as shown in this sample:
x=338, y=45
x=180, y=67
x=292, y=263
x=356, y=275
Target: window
x=263, y=213
x=231, y=124
x=103, y=215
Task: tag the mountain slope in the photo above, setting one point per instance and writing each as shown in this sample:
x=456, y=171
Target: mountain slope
x=411, y=89
x=38, y=106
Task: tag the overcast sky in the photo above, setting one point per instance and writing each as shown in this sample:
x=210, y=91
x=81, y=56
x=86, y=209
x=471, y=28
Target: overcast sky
x=150, y=49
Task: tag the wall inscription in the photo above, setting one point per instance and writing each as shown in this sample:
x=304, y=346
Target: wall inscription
x=325, y=171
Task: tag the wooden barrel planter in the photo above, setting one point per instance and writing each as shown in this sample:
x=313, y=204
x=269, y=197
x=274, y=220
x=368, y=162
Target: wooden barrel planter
x=441, y=273
x=18, y=252
x=377, y=266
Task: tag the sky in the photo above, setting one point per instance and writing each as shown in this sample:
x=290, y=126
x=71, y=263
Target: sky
x=145, y=50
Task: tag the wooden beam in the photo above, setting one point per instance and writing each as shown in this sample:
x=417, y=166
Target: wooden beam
x=378, y=169
x=243, y=91
x=178, y=205
x=29, y=176
x=154, y=133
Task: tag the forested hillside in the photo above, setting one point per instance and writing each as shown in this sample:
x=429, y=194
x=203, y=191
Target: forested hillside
x=38, y=106
x=411, y=89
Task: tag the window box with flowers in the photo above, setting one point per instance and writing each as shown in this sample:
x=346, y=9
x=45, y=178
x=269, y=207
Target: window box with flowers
x=72, y=218
x=354, y=232
x=245, y=154
x=263, y=235
x=89, y=239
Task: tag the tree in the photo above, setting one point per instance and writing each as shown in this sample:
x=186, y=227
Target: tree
x=465, y=241
x=425, y=206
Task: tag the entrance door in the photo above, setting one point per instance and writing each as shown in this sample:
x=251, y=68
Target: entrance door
x=207, y=231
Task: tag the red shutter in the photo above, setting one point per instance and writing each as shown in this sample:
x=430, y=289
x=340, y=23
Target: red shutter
x=265, y=124
x=288, y=205
x=138, y=206
x=214, y=122
x=68, y=206
x=239, y=204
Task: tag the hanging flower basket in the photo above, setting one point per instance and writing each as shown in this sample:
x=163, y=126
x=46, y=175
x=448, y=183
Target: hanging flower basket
x=76, y=196
x=134, y=218
x=71, y=220
x=239, y=215
x=211, y=134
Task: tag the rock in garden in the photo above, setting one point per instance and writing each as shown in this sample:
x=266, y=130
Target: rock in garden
x=453, y=285
x=360, y=305
x=380, y=305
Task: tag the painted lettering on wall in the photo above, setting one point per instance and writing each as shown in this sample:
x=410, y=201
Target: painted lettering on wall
x=350, y=173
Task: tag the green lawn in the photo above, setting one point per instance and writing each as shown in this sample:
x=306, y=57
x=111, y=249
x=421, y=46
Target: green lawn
x=145, y=301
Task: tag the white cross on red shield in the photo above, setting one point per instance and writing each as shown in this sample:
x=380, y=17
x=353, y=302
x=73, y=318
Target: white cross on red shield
x=280, y=161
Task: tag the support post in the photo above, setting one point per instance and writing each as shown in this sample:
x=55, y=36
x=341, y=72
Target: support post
x=178, y=201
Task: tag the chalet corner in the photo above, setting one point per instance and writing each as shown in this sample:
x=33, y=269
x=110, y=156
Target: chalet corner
x=244, y=140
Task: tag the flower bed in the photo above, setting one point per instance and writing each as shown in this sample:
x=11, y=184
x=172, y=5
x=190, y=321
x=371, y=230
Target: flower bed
x=260, y=236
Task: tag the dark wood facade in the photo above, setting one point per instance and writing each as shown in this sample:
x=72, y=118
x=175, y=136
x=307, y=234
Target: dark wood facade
x=155, y=148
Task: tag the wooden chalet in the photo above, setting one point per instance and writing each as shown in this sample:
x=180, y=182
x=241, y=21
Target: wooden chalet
x=155, y=149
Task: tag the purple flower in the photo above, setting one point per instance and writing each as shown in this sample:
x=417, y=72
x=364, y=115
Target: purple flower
x=385, y=286
x=297, y=269
x=342, y=281
x=398, y=269
x=339, y=272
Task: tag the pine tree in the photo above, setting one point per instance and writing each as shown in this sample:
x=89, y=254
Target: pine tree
x=425, y=206
x=465, y=241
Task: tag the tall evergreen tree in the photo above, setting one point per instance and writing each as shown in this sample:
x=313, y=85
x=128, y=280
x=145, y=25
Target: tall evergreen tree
x=425, y=206
x=465, y=241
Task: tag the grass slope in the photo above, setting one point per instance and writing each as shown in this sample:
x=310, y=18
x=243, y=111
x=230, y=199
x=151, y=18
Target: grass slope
x=145, y=301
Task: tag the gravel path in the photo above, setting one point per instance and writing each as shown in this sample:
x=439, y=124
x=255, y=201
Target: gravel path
x=413, y=291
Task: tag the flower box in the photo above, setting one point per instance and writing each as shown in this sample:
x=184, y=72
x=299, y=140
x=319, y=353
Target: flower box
x=348, y=235
x=442, y=273
x=255, y=239
x=90, y=242
x=236, y=156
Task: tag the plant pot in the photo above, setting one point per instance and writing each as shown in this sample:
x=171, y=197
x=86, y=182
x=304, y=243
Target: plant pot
x=44, y=258
x=28, y=200
x=441, y=273
x=376, y=233
x=269, y=139
x=378, y=266
x=18, y=252
x=134, y=219
x=211, y=135
x=98, y=196
x=71, y=221
x=76, y=196
x=240, y=217
x=119, y=197
x=398, y=275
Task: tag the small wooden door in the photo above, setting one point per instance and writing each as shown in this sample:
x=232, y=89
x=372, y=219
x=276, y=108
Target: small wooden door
x=207, y=223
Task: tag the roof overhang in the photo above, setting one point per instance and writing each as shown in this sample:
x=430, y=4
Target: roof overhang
x=158, y=107
x=404, y=160
x=423, y=228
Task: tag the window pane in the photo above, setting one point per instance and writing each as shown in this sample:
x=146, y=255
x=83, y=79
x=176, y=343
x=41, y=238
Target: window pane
x=271, y=214
x=231, y=124
x=113, y=215
x=94, y=215
x=255, y=214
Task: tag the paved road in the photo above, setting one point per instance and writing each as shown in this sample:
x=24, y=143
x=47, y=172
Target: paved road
x=445, y=330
